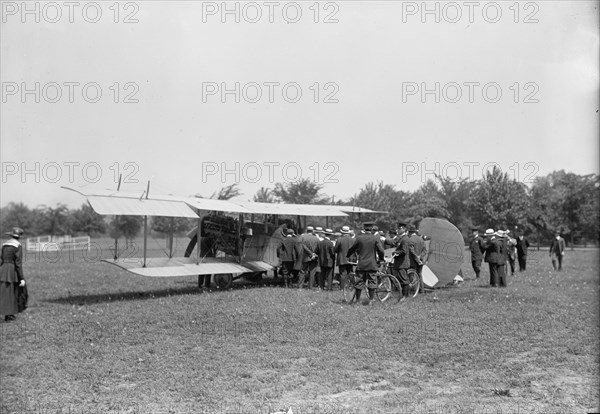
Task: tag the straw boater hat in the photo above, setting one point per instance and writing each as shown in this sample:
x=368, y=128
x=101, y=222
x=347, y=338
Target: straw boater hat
x=310, y=228
x=16, y=232
x=329, y=232
x=489, y=232
x=345, y=229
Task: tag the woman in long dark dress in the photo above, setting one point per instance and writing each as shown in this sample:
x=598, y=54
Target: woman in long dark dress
x=11, y=275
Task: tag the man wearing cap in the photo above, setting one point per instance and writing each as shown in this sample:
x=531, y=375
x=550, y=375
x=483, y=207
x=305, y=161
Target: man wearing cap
x=477, y=247
x=522, y=246
x=402, y=259
x=557, y=251
x=310, y=262
x=390, y=239
x=326, y=253
x=342, y=245
x=12, y=282
x=370, y=251
x=287, y=255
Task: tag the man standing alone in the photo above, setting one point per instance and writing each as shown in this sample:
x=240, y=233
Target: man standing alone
x=477, y=247
x=522, y=246
x=557, y=251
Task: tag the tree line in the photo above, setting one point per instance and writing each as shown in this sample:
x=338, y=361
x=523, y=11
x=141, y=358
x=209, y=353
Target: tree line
x=560, y=201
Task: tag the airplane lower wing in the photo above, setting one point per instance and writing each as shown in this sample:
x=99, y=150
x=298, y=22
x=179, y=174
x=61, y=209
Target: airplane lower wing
x=186, y=266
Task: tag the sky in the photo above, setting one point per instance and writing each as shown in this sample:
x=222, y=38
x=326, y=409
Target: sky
x=193, y=96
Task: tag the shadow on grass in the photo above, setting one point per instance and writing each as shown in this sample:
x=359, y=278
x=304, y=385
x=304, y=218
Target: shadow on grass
x=157, y=293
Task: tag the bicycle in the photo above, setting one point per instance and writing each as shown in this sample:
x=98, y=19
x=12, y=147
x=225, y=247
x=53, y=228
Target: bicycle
x=388, y=287
x=414, y=282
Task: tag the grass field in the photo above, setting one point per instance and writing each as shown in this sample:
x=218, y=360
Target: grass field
x=97, y=339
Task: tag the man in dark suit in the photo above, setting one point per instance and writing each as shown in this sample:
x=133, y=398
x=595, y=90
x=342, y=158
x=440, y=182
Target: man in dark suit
x=477, y=247
x=490, y=256
x=342, y=245
x=287, y=255
x=511, y=251
x=501, y=250
x=310, y=261
x=522, y=246
x=417, y=252
x=557, y=251
x=326, y=253
x=370, y=251
x=402, y=259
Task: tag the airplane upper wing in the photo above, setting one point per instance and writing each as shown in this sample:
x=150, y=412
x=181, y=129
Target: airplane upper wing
x=132, y=204
x=111, y=202
x=291, y=209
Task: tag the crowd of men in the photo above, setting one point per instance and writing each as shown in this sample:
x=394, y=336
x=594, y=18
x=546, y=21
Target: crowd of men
x=314, y=254
x=498, y=248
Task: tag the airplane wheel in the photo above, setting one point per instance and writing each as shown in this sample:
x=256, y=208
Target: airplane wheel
x=223, y=281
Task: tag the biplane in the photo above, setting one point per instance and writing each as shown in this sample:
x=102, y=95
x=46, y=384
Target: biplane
x=225, y=247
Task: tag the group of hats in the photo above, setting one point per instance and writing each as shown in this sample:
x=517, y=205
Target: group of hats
x=328, y=232
x=16, y=232
x=501, y=233
x=319, y=230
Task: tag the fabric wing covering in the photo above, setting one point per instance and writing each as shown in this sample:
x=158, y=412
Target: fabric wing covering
x=446, y=249
x=140, y=207
x=292, y=209
x=186, y=266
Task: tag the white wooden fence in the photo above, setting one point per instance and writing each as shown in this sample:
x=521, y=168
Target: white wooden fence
x=54, y=243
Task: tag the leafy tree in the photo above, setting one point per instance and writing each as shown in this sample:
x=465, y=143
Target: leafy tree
x=568, y=203
x=499, y=201
x=166, y=225
x=225, y=193
x=18, y=215
x=383, y=197
x=428, y=201
x=456, y=195
x=264, y=195
x=54, y=221
x=127, y=226
x=85, y=220
x=303, y=191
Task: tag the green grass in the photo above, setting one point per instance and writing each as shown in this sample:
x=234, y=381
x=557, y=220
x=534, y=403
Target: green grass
x=97, y=339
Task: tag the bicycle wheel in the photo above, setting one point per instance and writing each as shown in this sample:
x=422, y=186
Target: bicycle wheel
x=413, y=282
x=348, y=289
x=388, y=289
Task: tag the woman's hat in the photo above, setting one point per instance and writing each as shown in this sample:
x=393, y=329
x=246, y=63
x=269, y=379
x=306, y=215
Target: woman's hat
x=16, y=232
